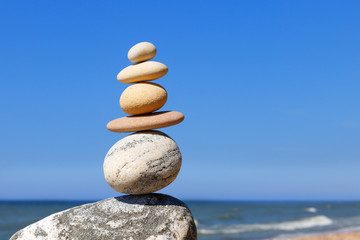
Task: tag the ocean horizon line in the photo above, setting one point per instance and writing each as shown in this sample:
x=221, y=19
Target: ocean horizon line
x=183, y=199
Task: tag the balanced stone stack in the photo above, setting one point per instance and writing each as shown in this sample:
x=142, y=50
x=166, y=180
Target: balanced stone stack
x=147, y=160
x=139, y=164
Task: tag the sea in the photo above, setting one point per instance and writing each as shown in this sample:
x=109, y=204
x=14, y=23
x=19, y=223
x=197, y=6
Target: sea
x=241, y=220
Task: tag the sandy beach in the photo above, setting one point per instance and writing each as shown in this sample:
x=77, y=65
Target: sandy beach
x=340, y=236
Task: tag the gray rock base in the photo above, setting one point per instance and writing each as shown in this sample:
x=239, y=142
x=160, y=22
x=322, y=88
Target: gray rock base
x=130, y=217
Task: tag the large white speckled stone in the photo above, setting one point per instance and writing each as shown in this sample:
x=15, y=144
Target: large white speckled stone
x=143, y=162
x=150, y=217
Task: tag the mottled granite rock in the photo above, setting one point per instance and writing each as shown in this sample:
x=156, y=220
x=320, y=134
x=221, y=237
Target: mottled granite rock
x=150, y=217
x=141, y=163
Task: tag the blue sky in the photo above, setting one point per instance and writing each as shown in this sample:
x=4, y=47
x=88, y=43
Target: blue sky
x=269, y=89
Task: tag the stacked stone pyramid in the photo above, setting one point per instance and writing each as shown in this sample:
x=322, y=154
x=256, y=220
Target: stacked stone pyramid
x=148, y=160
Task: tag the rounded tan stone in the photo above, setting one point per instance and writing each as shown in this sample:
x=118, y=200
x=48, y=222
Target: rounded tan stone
x=141, y=98
x=145, y=122
x=141, y=163
x=142, y=52
x=144, y=71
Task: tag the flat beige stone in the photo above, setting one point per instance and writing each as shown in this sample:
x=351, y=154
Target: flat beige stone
x=141, y=98
x=145, y=122
x=142, y=52
x=144, y=71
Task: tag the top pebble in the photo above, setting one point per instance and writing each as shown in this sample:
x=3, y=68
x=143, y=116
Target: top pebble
x=142, y=52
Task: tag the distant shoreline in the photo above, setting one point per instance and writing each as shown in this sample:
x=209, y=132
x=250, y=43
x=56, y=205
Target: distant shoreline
x=338, y=236
x=348, y=233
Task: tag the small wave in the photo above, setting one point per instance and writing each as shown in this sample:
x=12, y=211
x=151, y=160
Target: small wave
x=284, y=226
x=311, y=209
x=227, y=216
